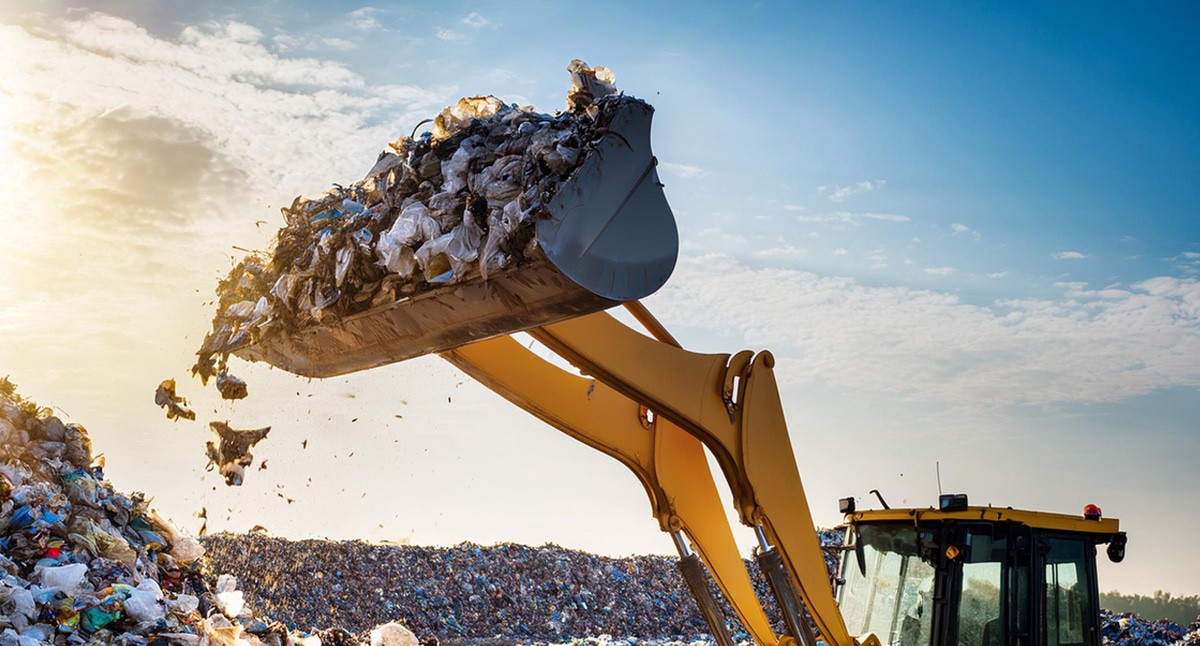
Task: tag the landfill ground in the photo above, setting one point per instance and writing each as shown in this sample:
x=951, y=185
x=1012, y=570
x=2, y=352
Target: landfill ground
x=508, y=594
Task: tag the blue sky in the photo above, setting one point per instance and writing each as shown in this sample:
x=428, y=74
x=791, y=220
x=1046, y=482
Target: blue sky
x=970, y=234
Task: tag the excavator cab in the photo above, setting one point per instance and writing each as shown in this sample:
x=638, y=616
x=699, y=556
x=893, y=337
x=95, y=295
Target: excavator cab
x=974, y=576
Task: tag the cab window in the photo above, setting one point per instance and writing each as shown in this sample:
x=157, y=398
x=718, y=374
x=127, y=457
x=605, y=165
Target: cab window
x=892, y=594
x=1067, y=601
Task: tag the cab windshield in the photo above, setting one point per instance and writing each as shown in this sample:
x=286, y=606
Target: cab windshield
x=893, y=598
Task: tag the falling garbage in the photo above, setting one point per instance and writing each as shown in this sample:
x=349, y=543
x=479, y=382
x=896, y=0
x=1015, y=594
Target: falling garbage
x=231, y=453
x=231, y=387
x=457, y=203
x=175, y=405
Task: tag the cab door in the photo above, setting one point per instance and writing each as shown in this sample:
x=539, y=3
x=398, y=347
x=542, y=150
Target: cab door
x=1065, y=569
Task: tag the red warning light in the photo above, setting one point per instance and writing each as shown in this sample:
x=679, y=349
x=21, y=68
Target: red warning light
x=1091, y=512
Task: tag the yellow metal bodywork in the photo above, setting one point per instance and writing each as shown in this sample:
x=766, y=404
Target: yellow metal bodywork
x=668, y=462
x=1035, y=519
x=731, y=403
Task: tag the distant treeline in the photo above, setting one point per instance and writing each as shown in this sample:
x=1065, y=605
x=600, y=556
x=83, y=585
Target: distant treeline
x=1181, y=610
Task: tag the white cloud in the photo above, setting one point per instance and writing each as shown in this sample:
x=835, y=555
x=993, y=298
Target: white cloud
x=961, y=229
x=340, y=44
x=476, y=21
x=840, y=251
x=853, y=218
x=449, y=34
x=1087, y=347
x=188, y=140
x=997, y=274
x=781, y=252
x=1069, y=255
x=684, y=171
x=364, y=19
x=225, y=52
x=840, y=193
x=792, y=207
x=940, y=271
x=1187, y=262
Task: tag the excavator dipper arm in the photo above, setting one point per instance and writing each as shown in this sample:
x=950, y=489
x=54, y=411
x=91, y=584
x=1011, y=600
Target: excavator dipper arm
x=731, y=403
x=668, y=462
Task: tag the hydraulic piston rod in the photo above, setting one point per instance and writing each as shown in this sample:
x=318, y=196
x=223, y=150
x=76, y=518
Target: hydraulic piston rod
x=770, y=561
x=692, y=569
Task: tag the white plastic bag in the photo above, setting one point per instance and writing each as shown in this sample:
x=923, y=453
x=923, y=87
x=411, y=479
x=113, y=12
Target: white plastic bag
x=412, y=227
x=186, y=549
x=65, y=578
x=456, y=250
x=588, y=84
x=499, y=231
x=455, y=117
x=455, y=169
x=145, y=602
x=184, y=604
x=393, y=634
x=230, y=600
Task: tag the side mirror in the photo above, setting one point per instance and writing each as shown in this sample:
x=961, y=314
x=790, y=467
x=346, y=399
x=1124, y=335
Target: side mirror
x=1116, y=547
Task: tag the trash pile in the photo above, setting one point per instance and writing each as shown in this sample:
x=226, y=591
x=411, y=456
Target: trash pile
x=83, y=564
x=507, y=591
x=454, y=204
x=1129, y=629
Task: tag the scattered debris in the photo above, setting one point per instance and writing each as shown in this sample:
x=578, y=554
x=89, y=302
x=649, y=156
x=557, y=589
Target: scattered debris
x=175, y=405
x=231, y=387
x=231, y=455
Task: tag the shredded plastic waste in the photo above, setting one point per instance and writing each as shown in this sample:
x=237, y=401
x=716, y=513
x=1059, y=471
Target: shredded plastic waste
x=511, y=593
x=231, y=453
x=457, y=203
x=1129, y=629
x=175, y=405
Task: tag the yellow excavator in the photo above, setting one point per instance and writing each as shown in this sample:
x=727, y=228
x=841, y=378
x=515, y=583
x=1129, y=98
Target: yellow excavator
x=954, y=574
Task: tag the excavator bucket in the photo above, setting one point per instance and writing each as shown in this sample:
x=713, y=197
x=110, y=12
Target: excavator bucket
x=611, y=238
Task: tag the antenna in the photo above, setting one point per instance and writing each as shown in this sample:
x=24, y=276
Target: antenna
x=938, y=466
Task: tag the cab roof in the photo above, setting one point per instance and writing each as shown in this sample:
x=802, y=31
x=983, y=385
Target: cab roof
x=1035, y=519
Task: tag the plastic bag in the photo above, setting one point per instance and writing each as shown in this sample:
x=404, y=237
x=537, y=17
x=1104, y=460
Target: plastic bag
x=17, y=605
x=455, y=169
x=456, y=117
x=499, y=231
x=144, y=602
x=455, y=251
x=414, y=226
x=186, y=550
x=65, y=578
x=500, y=183
x=230, y=600
x=588, y=84
x=345, y=256
x=393, y=634
x=184, y=604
